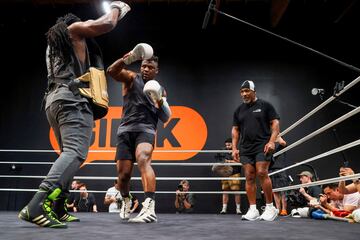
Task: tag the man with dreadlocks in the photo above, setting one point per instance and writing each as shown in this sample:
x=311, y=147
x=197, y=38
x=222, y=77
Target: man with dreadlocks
x=70, y=53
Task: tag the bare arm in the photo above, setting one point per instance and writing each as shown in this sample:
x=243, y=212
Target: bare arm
x=351, y=188
x=275, y=129
x=109, y=199
x=235, y=134
x=119, y=74
x=94, y=28
x=94, y=208
x=177, y=198
x=136, y=204
x=187, y=205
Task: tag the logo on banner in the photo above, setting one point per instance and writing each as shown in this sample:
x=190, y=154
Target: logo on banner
x=185, y=130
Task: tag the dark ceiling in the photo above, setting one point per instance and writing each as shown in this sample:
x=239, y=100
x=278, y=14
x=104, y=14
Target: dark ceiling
x=329, y=26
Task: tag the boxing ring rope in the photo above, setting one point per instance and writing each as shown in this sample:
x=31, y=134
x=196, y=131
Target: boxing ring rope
x=153, y=164
x=103, y=191
x=320, y=130
x=302, y=140
x=323, y=104
x=133, y=178
x=316, y=183
x=344, y=147
x=335, y=150
x=320, y=182
x=113, y=151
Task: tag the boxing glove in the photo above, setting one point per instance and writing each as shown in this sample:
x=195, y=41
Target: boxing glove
x=153, y=89
x=141, y=51
x=123, y=8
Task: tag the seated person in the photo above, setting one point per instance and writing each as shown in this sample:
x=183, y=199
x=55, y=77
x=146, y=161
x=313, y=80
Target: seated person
x=113, y=198
x=184, y=201
x=85, y=201
x=73, y=195
x=306, y=197
x=334, y=201
x=351, y=188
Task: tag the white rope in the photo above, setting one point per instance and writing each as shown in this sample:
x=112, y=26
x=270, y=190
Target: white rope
x=113, y=151
x=133, y=178
x=152, y=164
x=330, y=99
x=339, y=149
x=102, y=191
x=321, y=182
x=320, y=130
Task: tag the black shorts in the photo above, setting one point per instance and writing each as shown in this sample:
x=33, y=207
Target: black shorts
x=127, y=143
x=254, y=158
x=279, y=180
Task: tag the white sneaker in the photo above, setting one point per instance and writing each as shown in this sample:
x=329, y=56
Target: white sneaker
x=251, y=215
x=269, y=214
x=147, y=213
x=238, y=211
x=223, y=211
x=125, y=208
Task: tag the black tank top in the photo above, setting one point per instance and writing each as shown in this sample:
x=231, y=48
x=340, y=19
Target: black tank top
x=139, y=112
x=66, y=71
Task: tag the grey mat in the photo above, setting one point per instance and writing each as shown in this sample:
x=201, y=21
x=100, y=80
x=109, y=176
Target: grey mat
x=180, y=226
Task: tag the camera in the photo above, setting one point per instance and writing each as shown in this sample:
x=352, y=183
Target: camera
x=296, y=199
x=180, y=187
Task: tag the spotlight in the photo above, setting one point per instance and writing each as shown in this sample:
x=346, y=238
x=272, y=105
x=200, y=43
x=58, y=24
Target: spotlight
x=106, y=6
x=317, y=91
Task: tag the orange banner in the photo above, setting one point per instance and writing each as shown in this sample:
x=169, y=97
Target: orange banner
x=185, y=130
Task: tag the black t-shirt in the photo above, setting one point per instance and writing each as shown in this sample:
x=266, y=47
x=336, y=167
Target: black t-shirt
x=85, y=204
x=314, y=191
x=253, y=121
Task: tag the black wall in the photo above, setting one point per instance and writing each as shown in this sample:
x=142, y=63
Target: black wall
x=200, y=69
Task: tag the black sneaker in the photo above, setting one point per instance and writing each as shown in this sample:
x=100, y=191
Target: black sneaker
x=39, y=212
x=61, y=212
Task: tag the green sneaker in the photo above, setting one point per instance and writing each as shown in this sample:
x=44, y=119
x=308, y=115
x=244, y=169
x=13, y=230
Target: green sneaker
x=61, y=212
x=39, y=212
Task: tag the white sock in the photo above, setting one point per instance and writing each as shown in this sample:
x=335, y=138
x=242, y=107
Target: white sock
x=252, y=206
x=224, y=207
x=268, y=205
x=237, y=206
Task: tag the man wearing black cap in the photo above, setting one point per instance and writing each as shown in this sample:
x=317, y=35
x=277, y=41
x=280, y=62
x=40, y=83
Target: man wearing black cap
x=255, y=127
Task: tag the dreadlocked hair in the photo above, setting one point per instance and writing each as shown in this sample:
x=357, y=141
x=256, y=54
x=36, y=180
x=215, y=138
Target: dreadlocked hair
x=58, y=40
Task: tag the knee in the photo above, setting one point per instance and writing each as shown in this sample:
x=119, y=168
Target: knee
x=262, y=173
x=143, y=160
x=250, y=178
x=74, y=155
x=124, y=177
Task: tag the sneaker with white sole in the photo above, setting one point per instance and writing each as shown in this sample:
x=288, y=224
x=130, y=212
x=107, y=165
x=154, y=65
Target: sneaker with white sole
x=269, y=214
x=125, y=208
x=251, y=215
x=147, y=213
x=238, y=211
x=223, y=211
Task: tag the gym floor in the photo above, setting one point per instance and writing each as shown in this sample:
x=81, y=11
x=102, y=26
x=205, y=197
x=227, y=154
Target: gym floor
x=108, y=226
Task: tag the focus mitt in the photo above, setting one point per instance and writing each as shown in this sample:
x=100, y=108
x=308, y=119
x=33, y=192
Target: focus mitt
x=222, y=170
